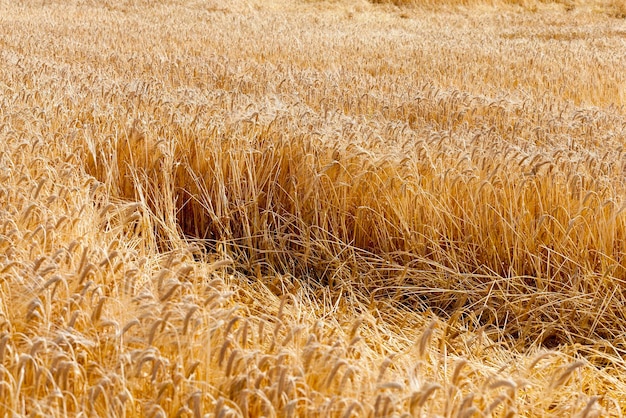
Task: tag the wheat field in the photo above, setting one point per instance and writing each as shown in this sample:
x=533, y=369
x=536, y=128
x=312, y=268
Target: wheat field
x=313, y=208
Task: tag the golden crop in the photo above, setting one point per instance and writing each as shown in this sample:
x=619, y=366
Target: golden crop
x=305, y=208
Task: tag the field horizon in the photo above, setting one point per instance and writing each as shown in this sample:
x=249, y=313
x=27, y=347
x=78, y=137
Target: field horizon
x=313, y=208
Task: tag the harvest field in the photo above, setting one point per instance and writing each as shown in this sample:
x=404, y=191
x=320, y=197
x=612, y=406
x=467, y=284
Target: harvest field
x=316, y=209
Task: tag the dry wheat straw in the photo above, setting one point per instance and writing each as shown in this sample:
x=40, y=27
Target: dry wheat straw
x=399, y=221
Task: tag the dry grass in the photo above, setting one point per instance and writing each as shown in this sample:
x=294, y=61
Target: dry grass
x=312, y=209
